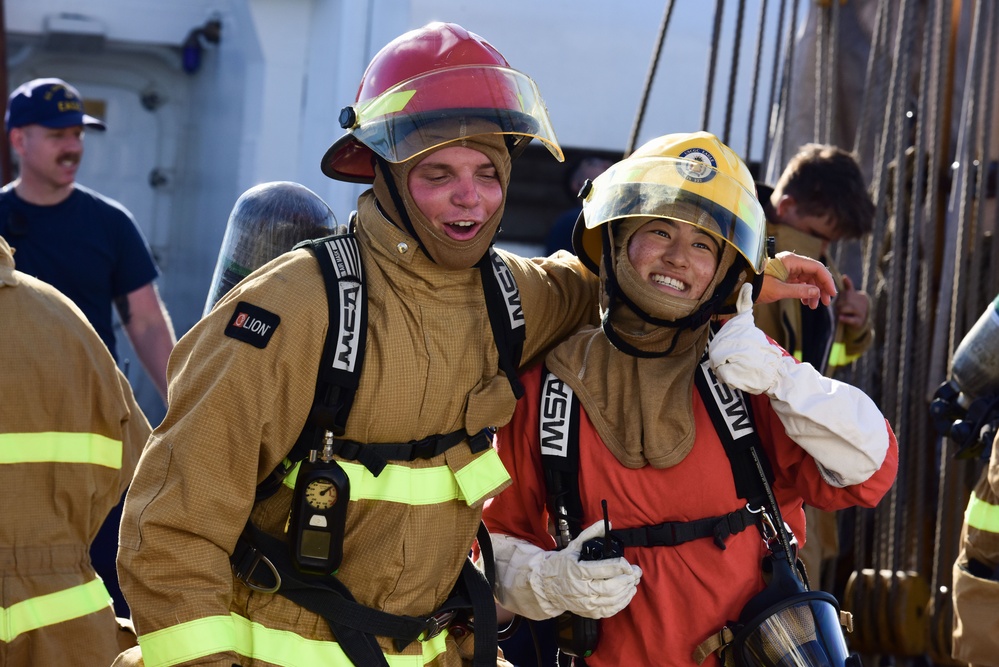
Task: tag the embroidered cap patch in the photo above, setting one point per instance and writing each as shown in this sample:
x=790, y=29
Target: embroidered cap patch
x=252, y=324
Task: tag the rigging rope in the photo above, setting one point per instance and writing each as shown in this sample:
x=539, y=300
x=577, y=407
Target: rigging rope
x=712, y=62
x=776, y=88
x=649, y=78
x=755, y=81
x=733, y=73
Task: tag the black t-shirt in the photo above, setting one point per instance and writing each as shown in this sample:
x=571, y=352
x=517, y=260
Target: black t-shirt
x=87, y=246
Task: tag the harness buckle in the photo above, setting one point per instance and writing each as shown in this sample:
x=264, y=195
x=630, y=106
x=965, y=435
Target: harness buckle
x=436, y=624
x=425, y=449
x=247, y=565
x=348, y=449
x=665, y=534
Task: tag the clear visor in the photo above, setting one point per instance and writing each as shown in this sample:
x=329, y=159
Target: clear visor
x=806, y=633
x=445, y=105
x=683, y=190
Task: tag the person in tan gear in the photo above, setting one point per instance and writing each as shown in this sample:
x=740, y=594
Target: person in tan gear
x=974, y=383
x=392, y=494
x=70, y=437
x=820, y=198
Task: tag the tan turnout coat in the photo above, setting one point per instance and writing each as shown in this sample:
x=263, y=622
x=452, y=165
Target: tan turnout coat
x=236, y=410
x=976, y=600
x=70, y=436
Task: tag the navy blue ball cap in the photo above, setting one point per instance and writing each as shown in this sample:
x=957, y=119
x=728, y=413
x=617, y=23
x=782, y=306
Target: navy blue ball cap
x=50, y=103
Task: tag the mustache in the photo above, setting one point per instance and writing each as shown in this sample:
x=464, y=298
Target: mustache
x=73, y=156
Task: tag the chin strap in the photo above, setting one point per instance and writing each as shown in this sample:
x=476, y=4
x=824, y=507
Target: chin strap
x=400, y=206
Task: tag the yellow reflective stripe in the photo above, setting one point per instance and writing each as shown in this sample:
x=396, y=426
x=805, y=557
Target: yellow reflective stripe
x=482, y=475
x=60, y=448
x=233, y=633
x=384, y=105
x=397, y=484
x=798, y=355
x=44, y=610
x=982, y=514
x=423, y=486
x=839, y=357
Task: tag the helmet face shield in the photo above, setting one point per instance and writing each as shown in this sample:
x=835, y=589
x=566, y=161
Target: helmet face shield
x=445, y=105
x=686, y=190
x=436, y=108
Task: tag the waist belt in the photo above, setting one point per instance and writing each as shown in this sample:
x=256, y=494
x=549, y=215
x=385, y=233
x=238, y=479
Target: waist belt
x=374, y=457
x=672, y=533
x=354, y=625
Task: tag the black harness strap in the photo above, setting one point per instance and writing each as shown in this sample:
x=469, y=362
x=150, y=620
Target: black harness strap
x=732, y=417
x=506, y=316
x=340, y=369
x=355, y=625
x=375, y=457
x=559, y=431
x=673, y=533
x=343, y=351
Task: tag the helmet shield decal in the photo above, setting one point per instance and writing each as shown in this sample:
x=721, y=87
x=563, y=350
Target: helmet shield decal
x=450, y=104
x=687, y=190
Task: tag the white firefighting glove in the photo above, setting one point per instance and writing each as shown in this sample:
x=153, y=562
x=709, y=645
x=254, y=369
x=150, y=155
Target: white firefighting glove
x=539, y=584
x=836, y=423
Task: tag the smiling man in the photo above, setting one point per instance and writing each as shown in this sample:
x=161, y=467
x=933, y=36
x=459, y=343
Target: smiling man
x=434, y=374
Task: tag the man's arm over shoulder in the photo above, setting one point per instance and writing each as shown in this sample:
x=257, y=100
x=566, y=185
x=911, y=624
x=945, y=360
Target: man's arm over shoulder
x=558, y=295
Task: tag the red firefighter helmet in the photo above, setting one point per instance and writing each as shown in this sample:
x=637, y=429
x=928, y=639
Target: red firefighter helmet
x=428, y=87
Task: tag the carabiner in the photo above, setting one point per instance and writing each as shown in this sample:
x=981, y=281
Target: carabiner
x=766, y=525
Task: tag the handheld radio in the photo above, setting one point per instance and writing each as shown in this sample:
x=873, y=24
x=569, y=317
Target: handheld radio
x=319, y=512
x=578, y=635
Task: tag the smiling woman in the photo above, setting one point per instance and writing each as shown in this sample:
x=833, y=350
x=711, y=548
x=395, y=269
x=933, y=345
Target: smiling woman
x=674, y=257
x=640, y=457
